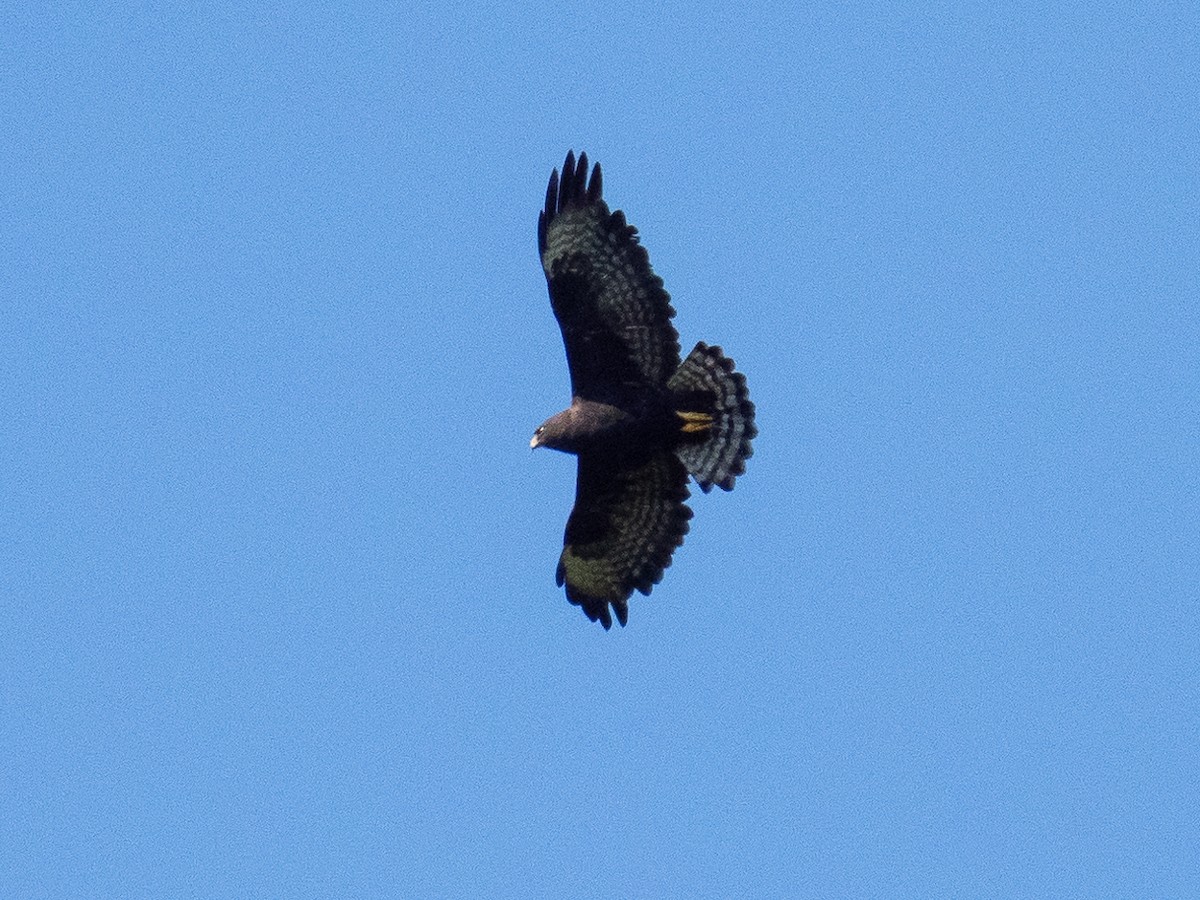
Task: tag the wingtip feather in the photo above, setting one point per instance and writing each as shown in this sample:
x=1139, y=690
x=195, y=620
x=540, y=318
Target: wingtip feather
x=568, y=169
x=596, y=185
x=552, y=195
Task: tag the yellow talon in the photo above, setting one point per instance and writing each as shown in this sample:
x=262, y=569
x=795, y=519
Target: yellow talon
x=694, y=422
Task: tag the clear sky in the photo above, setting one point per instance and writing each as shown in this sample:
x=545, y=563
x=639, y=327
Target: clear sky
x=277, y=603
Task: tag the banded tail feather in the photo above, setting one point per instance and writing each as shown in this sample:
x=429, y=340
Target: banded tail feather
x=716, y=417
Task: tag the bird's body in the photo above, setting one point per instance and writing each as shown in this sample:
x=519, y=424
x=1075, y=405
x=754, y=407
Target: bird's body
x=591, y=426
x=640, y=420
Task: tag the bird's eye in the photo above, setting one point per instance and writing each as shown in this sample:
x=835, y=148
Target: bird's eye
x=538, y=430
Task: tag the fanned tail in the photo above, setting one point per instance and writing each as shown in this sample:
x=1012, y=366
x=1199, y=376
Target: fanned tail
x=716, y=417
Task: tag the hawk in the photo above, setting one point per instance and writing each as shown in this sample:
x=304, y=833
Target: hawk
x=640, y=421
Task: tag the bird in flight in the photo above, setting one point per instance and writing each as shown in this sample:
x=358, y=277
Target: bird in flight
x=641, y=421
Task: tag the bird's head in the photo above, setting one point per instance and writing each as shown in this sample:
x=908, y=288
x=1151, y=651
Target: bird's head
x=552, y=433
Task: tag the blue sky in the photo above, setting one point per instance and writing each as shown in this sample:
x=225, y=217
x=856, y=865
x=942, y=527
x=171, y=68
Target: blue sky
x=277, y=607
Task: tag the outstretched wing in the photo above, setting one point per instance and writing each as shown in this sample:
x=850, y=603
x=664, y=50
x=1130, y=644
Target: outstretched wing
x=613, y=311
x=628, y=519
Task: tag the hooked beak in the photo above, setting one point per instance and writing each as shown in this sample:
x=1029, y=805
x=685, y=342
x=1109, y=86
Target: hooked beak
x=533, y=442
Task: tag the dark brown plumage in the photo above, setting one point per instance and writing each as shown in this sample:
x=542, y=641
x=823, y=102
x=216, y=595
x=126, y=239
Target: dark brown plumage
x=640, y=421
